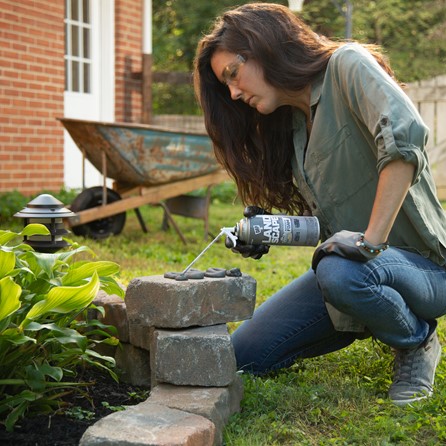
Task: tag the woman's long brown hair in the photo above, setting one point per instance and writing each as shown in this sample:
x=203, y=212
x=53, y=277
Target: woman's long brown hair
x=257, y=149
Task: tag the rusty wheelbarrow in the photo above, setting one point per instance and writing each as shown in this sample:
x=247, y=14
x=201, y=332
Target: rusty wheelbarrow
x=148, y=165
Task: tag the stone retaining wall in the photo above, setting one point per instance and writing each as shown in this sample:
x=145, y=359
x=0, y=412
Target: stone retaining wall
x=174, y=339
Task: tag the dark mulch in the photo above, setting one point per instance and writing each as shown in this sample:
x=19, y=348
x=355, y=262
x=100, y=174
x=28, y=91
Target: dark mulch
x=64, y=430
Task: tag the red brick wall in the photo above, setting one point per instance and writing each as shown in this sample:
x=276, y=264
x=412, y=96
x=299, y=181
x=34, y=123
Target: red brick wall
x=128, y=48
x=32, y=77
x=31, y=95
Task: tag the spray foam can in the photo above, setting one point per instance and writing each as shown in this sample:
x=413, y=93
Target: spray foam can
x=279, y=230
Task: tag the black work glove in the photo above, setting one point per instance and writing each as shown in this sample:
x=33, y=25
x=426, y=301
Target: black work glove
x=253, y=251
x=252, y=211
x=345, y=244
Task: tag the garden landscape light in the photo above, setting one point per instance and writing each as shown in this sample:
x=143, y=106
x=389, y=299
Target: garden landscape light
x=49, y=211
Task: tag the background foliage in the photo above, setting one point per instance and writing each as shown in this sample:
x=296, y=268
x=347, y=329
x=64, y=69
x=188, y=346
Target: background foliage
x=411, y=32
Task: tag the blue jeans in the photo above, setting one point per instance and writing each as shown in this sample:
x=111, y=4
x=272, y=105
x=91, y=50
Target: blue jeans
x=397, y=296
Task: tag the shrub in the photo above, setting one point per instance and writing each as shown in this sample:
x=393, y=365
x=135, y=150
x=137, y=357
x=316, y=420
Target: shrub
x=225, y=192
x=174, y=99
x=10, y=203
x=44, y=332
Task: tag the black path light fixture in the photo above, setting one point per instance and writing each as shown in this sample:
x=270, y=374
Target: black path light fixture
x=49, y=211
x=345, y=8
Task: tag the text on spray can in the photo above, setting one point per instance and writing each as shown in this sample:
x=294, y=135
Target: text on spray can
x=279, y=230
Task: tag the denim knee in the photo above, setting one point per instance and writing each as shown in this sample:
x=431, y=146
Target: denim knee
x=337, y=279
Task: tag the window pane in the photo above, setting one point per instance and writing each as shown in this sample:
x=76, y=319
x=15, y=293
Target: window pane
x=75, y=76
x=66, y=38
x=67, y=88
x=74, y=10
x=87, y=78
x=86, y=9
x=74, y=40
x=86, y=43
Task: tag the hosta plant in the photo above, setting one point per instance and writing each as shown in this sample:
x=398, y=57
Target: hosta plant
x=45, y=334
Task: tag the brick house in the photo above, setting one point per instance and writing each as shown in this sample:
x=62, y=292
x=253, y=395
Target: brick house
x=72, y=58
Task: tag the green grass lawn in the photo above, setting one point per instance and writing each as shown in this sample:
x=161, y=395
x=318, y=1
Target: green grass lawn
x=337, y=399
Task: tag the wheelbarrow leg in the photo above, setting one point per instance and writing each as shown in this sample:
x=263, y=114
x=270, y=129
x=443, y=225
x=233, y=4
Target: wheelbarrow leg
x=173, y=222
x=141, y=221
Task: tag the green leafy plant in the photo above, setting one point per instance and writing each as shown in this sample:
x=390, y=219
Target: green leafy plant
x=45, y=334
x=141, y=395
x=107, y=405
x=78, y=413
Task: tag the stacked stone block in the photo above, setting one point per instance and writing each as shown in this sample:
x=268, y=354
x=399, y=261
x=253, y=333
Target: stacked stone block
x=178, y=340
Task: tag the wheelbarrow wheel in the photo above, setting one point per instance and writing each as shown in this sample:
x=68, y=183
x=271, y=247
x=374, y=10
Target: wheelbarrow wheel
x=104, y=227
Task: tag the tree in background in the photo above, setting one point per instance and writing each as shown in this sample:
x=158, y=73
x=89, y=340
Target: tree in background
x=179, y=24
x=411, y=32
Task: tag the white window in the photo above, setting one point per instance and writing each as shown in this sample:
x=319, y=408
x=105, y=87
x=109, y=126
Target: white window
x=78, y=53
x=90, y=82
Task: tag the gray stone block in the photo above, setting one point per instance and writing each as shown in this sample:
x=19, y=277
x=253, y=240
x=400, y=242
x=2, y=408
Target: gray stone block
x=140, y=335
x=150, y=425
x=115, y=313
x=216, y=404
x=155, y=301
x=201, y=356
x=134, y=364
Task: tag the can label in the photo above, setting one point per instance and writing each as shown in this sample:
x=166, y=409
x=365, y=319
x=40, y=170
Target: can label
x=279, y=230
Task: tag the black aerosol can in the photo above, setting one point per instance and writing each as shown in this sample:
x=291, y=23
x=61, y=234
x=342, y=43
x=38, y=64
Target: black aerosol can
x=278, y=230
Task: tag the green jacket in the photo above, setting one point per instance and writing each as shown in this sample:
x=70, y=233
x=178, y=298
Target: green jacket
x=362, y=120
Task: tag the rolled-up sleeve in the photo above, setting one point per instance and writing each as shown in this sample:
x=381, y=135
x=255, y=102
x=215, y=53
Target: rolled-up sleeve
x=395, y=142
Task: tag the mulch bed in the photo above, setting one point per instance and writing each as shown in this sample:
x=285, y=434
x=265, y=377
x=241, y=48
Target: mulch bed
x=64, y=430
